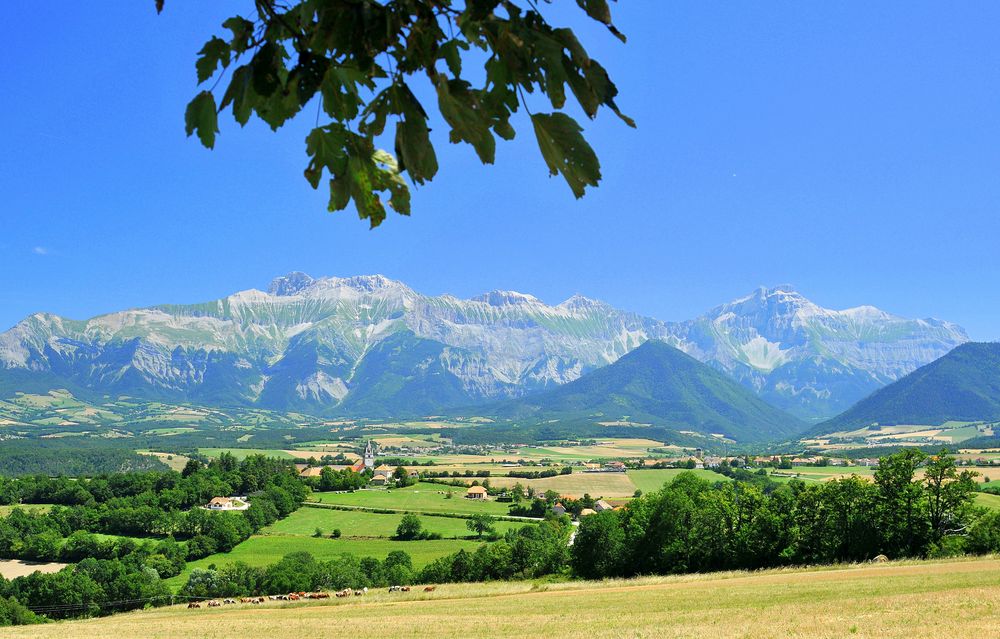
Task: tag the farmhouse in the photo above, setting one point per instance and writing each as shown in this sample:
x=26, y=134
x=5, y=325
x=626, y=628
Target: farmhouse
x=475, y=492
x=600, y=506
x=379, y=480
x=587, y=511
x=615, y=467
x=559, y=510
x=227, y=503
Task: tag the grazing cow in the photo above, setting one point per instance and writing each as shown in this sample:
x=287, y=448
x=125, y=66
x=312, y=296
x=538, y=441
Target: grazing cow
x=214, y=604
x=404, y=588
x=429, y=588
x=293, y=597
x=881, y=559
x=194, y=604
x=229, y=601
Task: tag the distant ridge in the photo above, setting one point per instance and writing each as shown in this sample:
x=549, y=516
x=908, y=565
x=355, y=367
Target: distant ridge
x=964, y=385
x=658, y=384
x=305, y=345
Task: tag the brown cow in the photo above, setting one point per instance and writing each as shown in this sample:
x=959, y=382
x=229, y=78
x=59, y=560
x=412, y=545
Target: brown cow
x=194, y=604
x=429, y=588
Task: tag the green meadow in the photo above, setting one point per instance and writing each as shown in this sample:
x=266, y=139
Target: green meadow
x=421, y=497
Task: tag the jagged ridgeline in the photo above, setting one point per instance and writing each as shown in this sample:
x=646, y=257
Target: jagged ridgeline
x=371, y=346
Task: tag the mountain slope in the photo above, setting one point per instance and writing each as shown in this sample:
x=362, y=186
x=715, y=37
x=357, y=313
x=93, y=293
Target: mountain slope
x=300, y=345
x=964, y=385
x=809, y=360
x=660, y=385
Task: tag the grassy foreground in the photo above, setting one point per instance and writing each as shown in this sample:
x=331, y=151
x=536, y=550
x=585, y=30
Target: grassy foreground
x=959, y=598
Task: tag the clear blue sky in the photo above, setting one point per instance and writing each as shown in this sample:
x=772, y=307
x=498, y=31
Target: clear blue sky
x=852, y=149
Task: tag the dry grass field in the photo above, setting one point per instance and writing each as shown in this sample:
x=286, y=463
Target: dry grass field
x=906, y=599
x=13, y=568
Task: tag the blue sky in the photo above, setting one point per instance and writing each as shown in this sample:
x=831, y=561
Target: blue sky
x=852, y=149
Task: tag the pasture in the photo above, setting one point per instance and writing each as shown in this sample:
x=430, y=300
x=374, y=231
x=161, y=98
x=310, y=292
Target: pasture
x=957, y=598
x=421, y=497
x=652, y=480
x=357, y=523
x=242, y=453
x=31, y=508
x=988, y=500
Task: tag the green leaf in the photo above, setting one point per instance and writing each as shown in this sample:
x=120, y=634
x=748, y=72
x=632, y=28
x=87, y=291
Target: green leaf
x=414, y=149
x=242, y=30
x=326, y=148
x=340, y=92
x=214, y=53
x=413, y=143
x=565, y=151
x=201, y=116
x=600, y=11
x=240, y=94
x=461, y=109
x=449, y=52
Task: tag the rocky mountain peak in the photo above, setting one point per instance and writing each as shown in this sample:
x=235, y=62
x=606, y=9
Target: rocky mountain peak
x=290, y=284
x=506, y=298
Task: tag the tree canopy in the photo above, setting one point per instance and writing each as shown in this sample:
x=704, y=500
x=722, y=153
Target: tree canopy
x=360, y=58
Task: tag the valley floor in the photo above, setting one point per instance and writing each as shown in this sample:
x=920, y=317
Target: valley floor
x=956, y=598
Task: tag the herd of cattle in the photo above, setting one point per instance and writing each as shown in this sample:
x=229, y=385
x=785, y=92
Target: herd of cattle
x=297, y=596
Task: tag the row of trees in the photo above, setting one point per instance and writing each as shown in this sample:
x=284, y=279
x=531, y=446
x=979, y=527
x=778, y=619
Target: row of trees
x=93, y=586
x=299, y=572
x=122, y=573
x=531, y=551
x=696, y=526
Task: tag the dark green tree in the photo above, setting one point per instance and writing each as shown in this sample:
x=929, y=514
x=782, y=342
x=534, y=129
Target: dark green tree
x=409, y=527
x=948, y=493
x=480, y=523
x=362, y=61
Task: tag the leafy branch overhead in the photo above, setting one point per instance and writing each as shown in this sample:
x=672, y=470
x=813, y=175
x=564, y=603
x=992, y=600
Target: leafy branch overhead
x=359, y=59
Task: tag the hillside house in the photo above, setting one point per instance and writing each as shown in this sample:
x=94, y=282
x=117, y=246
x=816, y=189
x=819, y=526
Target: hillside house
x=587, y=511
x=558, y=510
x=475, y=492
x=379, y=480
x=227, y=503
x=600, y=506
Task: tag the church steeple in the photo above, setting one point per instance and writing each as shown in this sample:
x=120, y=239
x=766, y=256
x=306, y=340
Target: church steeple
x=369, y=456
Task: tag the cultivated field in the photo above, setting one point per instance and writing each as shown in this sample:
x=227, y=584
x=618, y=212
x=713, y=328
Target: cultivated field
x=576, y=484
x=421, y=497
x=908, y=599
x=11, y=568
x=356, y=523
x=652, y=480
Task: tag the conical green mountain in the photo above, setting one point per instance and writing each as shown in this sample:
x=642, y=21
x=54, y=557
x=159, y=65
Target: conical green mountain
x=964, y=385
x=660, y=385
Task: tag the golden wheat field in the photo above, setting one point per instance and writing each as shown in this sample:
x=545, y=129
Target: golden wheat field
x=959, y=598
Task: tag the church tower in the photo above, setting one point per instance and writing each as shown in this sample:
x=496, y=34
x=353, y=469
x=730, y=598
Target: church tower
x=369, y=456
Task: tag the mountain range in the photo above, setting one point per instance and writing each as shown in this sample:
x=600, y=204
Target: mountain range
x=962, y=386
x=373, y=346
x=657, y=384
